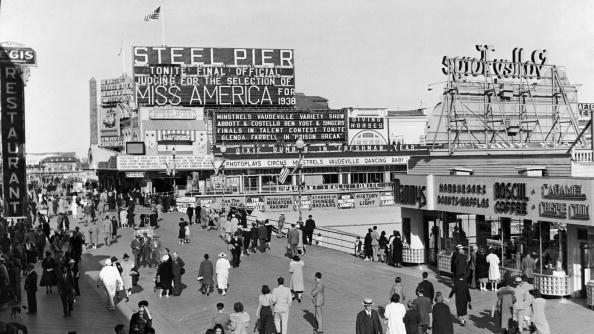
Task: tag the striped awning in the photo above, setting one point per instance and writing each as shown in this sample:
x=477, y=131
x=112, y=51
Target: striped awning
x=176, y=135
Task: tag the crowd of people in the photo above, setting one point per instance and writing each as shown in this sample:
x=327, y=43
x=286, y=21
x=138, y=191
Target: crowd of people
x=97, y=217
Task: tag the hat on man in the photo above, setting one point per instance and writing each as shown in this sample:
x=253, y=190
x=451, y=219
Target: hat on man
x=108, y=262
x=182, y=220
x=142, y=303
x=71, y=261
x=222, y=254
x=165, y=258
x=367, y=301
x=126, y=256
x=459, y=246
x=518, y=279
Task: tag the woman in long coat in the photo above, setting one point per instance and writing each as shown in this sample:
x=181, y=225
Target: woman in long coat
x=296, y=270
x=462, y=293
x=177, y=266
x=127, y=268
x=482, y=269
x=442, y=317
x=538, y=313
x=505, y=304
x=164, y=276
x=206, y=271
x=397, y=252
x=494, y=274
x=367, y=245
x=48, y=276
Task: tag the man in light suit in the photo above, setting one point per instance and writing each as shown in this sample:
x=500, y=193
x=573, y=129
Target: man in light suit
x=318, y=300
x=282, y=298
x=368, y=321
x=375, y=243
x=293, y=240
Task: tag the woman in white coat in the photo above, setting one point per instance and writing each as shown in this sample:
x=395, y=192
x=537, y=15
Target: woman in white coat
x=74, y=207
x=394, y=315
x=494, y=275
x=296, y=270
x=222, y=269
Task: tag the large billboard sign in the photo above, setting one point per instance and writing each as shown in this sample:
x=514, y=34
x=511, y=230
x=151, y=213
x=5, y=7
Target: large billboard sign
x=197, y=76
x=275, y=125
x=117, y=90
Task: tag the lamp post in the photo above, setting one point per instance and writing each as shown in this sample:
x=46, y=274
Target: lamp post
x=174, y=181
x=300, y=144
x=223, y=150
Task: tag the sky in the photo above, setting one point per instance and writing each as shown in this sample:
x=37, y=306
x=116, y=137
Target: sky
x=356, y=53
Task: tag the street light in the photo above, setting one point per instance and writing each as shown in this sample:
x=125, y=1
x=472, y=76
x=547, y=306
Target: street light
x=223, y=150
x=174, y=185
x=300, y=144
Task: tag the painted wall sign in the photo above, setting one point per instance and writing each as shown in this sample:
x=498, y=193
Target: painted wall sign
x=461, y=194
x=305, y=202
x=196, y=76
x=134, y=174
x=117, y=90
x=510, y=198
x=364, y=123
x=386, y=198
x=12, y=104
x=288, y=147
x=345, y=201
x=172, y=113
x=564, y=201
x=275, y=125
x=279, y=203
x=585, y=110
x=255, y=203
x=366, y=200
x=323, y=201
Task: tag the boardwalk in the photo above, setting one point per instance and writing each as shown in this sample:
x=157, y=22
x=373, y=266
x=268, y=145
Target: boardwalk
x=347, y=282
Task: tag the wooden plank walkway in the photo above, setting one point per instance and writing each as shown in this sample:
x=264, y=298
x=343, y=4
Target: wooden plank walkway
x=347, y=281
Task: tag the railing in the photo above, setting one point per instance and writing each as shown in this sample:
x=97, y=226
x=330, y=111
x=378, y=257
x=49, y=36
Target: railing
x=337, y=240
x=582, y=156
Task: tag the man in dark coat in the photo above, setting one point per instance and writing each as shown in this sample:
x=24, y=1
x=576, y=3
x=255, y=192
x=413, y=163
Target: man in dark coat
x=262, y=236
x=190, y=213
x=460, y=263
x=368, y=321
x=423, y=306
x=426, y=286
x=31, y=289
x=141, y=320
x=66, y=289
x=206, y=276
x=310, y=226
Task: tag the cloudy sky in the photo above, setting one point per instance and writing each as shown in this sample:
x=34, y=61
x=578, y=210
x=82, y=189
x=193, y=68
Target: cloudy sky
x=356, y=53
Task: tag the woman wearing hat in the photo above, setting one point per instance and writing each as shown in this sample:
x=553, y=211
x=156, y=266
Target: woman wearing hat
x=442, y=317
x=462, y=293
x=494, y=275
x=164, y=277
x=48, y=276
x=222, y=270
x=296, y=270
x=127, y=268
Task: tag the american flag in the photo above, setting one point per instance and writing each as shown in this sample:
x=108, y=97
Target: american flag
x=282, y=177
x=154, y=15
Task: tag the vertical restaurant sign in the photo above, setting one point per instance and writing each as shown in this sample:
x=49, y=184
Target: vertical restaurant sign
x=14, y=180
x=346, y=201
x=203, y=76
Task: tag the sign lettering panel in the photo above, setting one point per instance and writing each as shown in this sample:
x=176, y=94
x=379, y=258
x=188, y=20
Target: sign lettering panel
x=196, y=76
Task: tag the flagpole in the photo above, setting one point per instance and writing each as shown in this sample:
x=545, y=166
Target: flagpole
x=163, y=22
x=123, y=56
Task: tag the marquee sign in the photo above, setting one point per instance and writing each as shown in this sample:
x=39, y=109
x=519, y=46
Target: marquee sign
x=197, y=76
x=275, y=125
